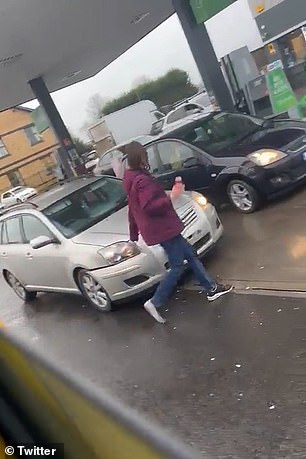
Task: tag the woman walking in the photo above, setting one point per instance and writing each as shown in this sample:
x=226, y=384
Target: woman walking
x=152, y=215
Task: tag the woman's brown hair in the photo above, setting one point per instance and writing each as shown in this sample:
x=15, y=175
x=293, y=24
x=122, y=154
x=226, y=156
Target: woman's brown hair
x=136, y=155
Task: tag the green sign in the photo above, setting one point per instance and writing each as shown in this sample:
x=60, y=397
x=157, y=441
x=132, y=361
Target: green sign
x=281, y=93
x=206, y=9
x=40, y=119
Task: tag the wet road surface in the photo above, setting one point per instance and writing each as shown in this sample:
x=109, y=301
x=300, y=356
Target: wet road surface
x=228, y=378
x=265, y=250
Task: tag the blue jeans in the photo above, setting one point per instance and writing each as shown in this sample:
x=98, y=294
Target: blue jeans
x=178, y=250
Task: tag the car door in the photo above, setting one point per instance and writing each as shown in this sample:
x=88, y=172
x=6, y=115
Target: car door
x=12, y=249
x=46, y=267
x=176, y=158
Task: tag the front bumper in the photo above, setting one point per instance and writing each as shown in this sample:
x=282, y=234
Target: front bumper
x=131, y=277
x=285, y=174
x=146, y=270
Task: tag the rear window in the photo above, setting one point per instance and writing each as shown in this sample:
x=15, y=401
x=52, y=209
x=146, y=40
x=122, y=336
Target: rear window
x=112, y=164
x=4, y=239
x=13, y=230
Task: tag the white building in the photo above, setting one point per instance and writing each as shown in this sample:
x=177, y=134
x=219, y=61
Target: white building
x=234, y=28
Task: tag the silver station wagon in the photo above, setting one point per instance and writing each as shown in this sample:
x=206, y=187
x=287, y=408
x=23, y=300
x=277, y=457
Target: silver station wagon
x=75, y=239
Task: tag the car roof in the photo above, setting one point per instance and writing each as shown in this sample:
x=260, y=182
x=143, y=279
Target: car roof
x=62, y=190
x=183, y=104
x=11, y=190
x=182, y=125
x=170, y=131
x=15, y=188
x=143, y=139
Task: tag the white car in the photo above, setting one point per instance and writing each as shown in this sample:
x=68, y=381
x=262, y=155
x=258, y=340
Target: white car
x=178, y=114
x=75, y=239
x=108, y=161
x=17, y=195
x=91, y=159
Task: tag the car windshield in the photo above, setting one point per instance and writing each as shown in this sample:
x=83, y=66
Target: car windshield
x=216, y=134
x=87, y=206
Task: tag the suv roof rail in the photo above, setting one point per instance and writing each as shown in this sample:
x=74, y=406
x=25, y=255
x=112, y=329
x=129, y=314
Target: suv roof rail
x=22, y=205
x=73, y=179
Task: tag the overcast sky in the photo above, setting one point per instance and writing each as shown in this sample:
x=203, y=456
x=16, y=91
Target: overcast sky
x=161, y=50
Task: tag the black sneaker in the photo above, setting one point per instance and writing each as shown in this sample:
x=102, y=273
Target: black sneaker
x=220, y=290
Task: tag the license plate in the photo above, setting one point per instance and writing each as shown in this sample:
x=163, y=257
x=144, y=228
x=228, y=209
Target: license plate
x=304, y=156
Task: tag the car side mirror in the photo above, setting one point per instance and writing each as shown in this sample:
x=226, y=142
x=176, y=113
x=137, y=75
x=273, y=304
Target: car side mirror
x=191, y=162
x=43, y=241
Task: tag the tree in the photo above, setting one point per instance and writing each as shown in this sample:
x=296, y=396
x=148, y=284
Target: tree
x=84, y=129
x=172, y=87
x=81, y=146
x=95, y=106
x=140, y=81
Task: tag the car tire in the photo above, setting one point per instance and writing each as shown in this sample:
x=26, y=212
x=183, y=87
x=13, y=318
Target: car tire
x=19, y=289
x=243, y=196
x=18, y=201
x=94, y=292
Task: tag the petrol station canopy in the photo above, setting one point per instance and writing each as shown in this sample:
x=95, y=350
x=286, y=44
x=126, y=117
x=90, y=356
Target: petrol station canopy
x=67, y=41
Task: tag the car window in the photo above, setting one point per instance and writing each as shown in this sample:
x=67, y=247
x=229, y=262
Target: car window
x=218, y=133
x=105, y=159
x=4, y=239
x=177, y=115
x=13, y=230
x=158, y=115
x=153, y=161
x=173, y=155
x=110, y=163
x=182, y=112
x=118, y=163
x=157, y=127
x=108, y=158
x=192, y=108
x=33, y=228
x=6, y=195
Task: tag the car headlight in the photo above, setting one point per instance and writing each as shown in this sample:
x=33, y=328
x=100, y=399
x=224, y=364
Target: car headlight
x=266, y=157
x=121, y=251
x=199, y=199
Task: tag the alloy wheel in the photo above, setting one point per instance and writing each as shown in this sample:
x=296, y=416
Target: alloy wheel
x=241, y=196
x=17, y=286
x=95, y=292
